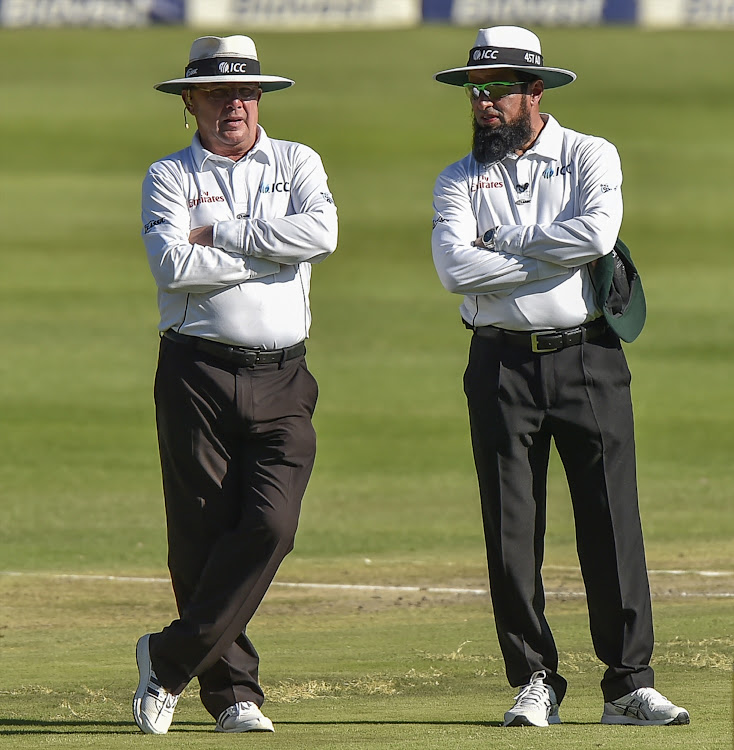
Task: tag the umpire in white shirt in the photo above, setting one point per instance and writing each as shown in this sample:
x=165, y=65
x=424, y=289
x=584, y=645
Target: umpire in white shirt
x=517, y=225
x=232, y=226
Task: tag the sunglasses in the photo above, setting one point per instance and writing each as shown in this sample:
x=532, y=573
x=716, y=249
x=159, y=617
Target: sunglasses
x=494, y=90
x=226, y=93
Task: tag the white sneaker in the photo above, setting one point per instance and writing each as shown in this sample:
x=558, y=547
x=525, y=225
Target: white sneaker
x=243, y=717
x=644, y=706
x=535, y=705
x=153, y=705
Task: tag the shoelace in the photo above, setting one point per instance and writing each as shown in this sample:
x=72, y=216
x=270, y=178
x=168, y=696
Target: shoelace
x=239, y=708
x=534, y=692
x=653, y=697
x=171, y=701
x=165, y=699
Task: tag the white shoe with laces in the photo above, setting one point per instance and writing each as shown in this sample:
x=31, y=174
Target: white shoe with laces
x=243, y=717
x=644, y=706
x=535, y=705
x=153, y=705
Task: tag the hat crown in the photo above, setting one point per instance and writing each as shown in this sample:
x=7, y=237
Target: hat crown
x=223, y=59
x=511, y=47
x=206, y=47
x=514, y=37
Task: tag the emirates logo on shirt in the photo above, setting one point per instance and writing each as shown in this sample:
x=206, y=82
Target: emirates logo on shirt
x=484, y=183
x=205, y=198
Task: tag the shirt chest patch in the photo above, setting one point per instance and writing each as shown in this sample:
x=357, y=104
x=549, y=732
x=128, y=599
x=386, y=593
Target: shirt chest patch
x=554, y=170
x=283, y=186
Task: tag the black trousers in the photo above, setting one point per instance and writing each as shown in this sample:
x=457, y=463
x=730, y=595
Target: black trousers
x=237, y=447
x=580, y=398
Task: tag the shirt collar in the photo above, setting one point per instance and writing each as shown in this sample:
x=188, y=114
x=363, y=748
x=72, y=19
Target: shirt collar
x=262, y=152
x=546, y=146
x=549, y=140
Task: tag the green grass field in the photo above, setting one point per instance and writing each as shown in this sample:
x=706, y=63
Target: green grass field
x=393, y=500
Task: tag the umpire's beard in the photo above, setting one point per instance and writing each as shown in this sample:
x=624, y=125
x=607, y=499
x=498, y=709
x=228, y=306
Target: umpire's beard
x=490, y=145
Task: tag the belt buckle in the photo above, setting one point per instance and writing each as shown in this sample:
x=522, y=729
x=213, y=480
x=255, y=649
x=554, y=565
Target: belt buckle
x=251, y=358
x=242, y=357
x=535, y=346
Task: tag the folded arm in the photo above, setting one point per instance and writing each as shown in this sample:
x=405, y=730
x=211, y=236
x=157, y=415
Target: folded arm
x=181, y=262
x=309, y=234
x=593, y=231
x=465, y=267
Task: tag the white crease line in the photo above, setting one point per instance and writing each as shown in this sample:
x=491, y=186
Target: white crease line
x=340, y=586
x=704, y=573
x=368, y=587
x=439, y=590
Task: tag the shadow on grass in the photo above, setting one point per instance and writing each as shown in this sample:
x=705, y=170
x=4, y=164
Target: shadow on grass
x=417, y=722
x=34, y=726
x=80, y=726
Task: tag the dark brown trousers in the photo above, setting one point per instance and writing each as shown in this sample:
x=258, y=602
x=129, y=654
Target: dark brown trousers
x=237, y=447
x=579, y=397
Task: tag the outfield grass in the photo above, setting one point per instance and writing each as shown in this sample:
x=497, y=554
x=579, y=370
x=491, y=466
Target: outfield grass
x=388, y=670
x=393, y=499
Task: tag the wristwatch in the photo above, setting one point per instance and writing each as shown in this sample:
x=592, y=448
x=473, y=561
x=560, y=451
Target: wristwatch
x=488, y=238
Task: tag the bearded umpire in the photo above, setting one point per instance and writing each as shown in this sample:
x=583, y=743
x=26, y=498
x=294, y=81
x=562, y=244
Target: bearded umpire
x=232, y=226
x=518, y=225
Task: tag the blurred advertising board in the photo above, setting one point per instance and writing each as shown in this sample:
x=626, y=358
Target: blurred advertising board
x=339, y=14
x=580, y=12
x=305, y=14
x=119, y=13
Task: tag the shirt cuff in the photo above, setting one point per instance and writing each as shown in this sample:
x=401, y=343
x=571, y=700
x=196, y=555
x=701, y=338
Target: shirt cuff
x=260, y=267
x=230, y=236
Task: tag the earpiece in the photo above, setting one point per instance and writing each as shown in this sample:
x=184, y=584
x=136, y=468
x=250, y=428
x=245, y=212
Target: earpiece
x=188, y=107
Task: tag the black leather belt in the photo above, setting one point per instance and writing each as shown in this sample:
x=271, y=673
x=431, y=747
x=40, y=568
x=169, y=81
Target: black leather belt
x=546, y=341
x=238, y=355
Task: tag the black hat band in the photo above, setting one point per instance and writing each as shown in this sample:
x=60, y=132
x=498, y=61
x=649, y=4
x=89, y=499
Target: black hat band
x=222, y=66
x=504, y=56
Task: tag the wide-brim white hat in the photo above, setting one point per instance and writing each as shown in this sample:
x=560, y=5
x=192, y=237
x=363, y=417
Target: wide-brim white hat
x=507, y=47
x=228, y=59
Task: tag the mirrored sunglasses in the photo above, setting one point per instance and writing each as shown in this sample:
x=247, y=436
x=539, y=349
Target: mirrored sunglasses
x=494, y=90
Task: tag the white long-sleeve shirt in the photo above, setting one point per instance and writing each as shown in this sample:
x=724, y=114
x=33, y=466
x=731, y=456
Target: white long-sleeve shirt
x=556, y=208
x=273, y=217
